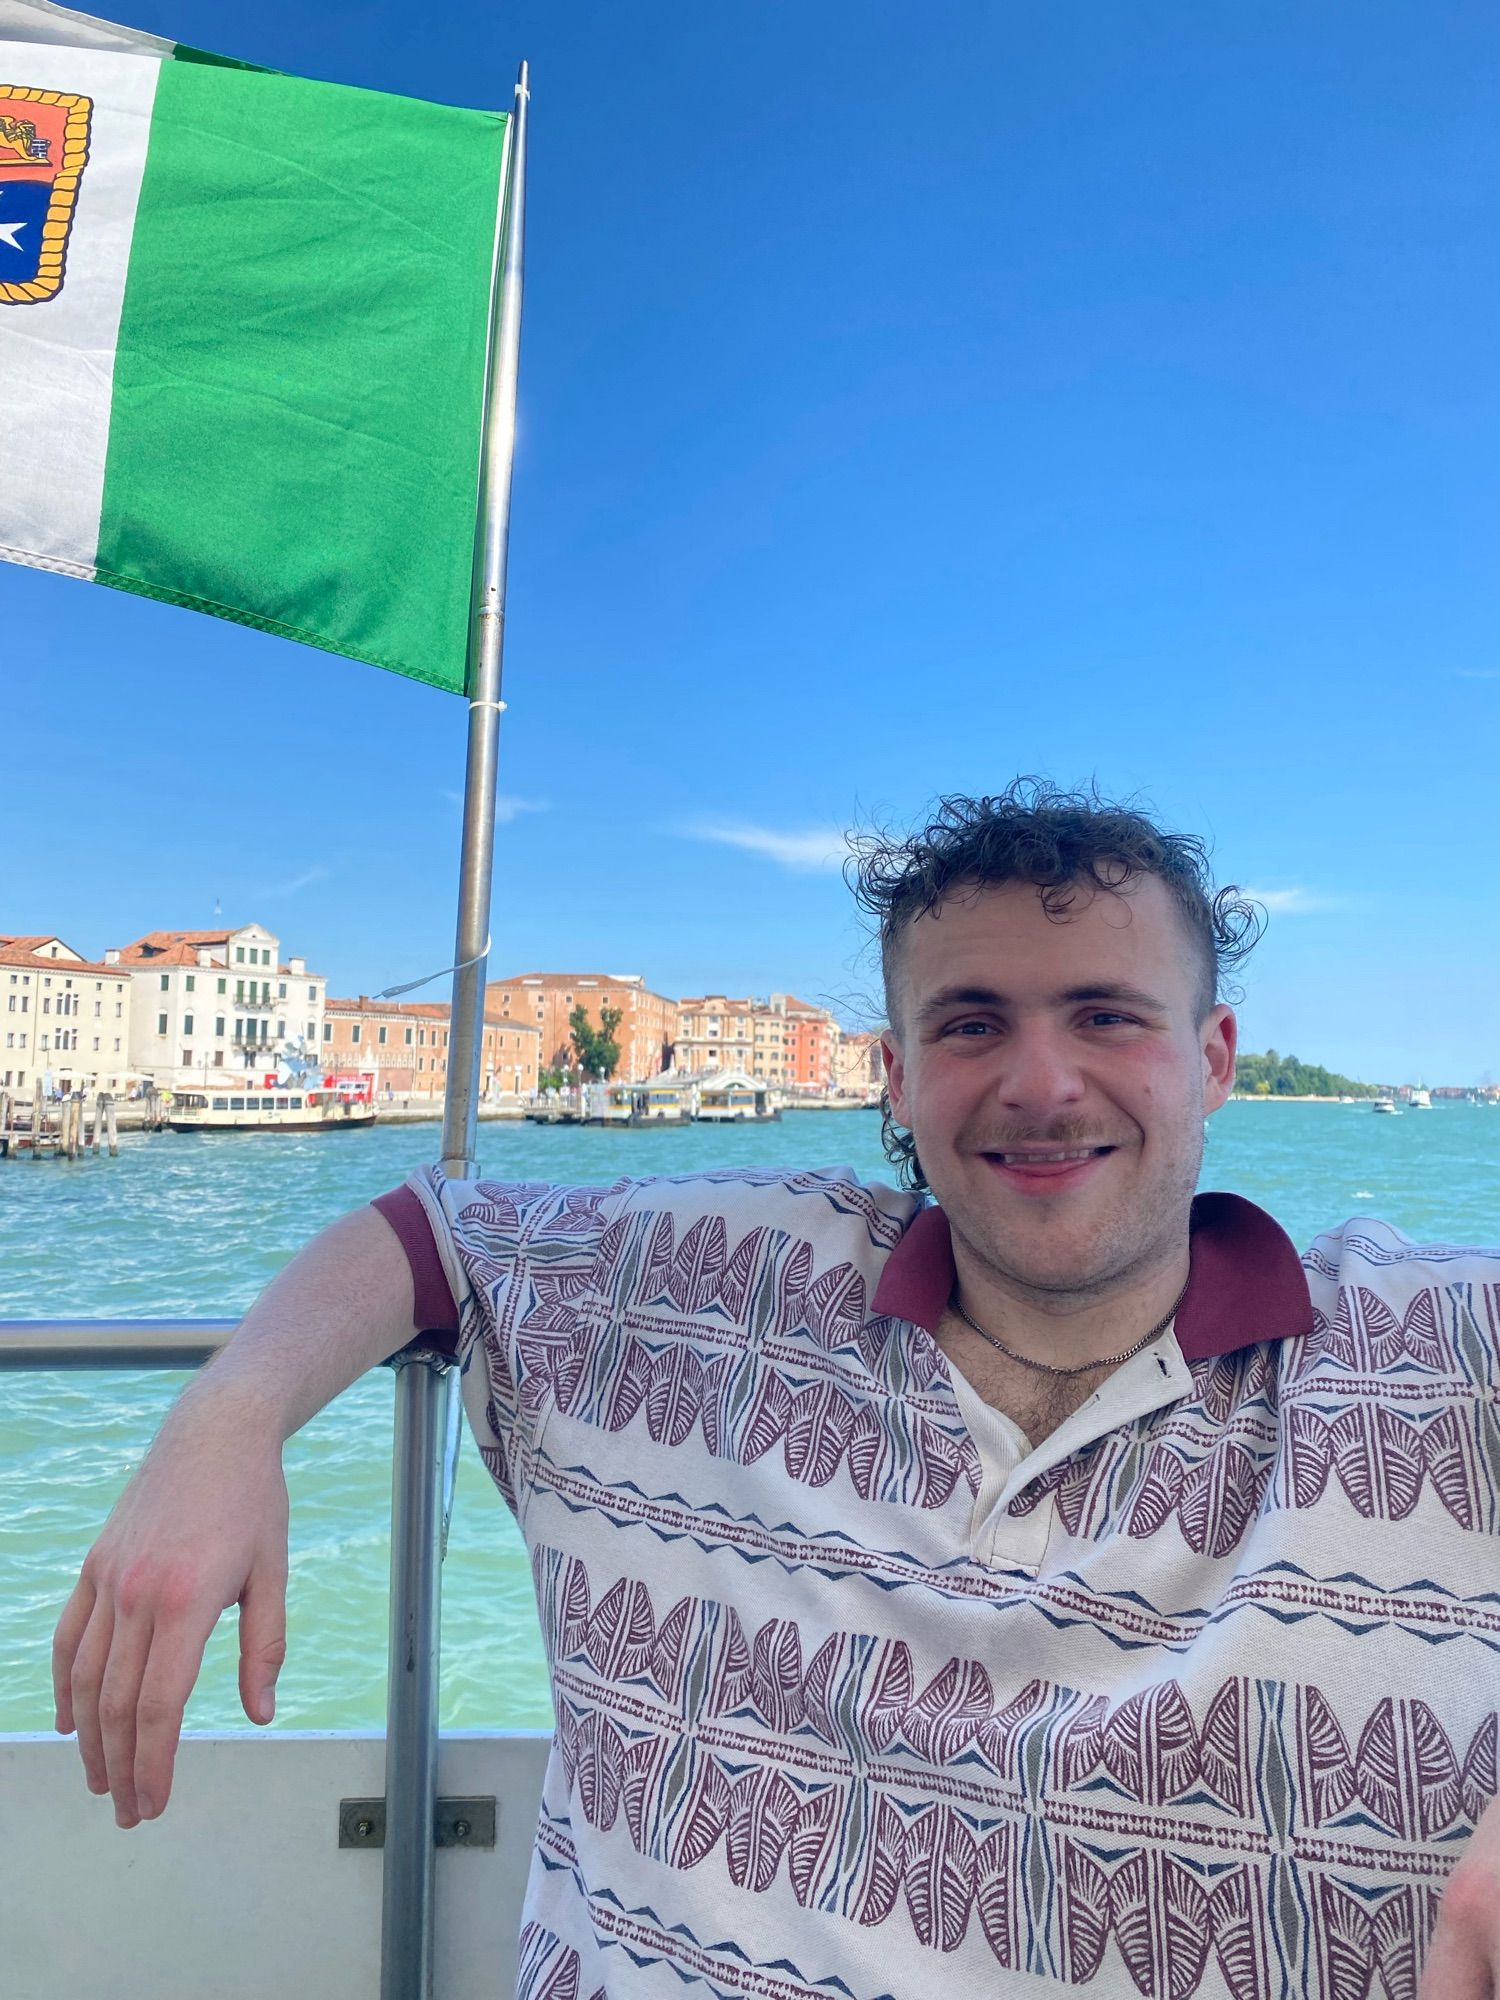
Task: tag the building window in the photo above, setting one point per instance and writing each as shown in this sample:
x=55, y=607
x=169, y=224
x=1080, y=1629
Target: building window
x=218, y=1024
x=166, y=980
x=312, y=993
x=187, y=1026
x=161, y=1024
x=191, y=981
x=187, y=1058
x=312, y=1029
x=408, y=1038
x=223, y=985
x=281, y=991
x=239, y=954
x=328, y=1031
x=380, y=1036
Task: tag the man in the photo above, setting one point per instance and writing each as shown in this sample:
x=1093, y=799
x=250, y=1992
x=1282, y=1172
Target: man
x=1060, y=1584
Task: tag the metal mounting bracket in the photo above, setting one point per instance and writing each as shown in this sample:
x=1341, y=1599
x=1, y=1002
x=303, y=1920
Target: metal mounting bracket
x=456, y=1823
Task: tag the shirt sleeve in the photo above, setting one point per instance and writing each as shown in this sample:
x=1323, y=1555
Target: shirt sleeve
x=518, y=1260
x=434, y=1309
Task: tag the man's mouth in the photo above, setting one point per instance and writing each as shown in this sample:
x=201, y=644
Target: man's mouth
x=1036, y=1170
x=1036, y=1156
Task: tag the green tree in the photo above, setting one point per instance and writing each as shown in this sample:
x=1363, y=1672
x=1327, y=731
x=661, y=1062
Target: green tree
x=597, y=1050
x=1273, y=1075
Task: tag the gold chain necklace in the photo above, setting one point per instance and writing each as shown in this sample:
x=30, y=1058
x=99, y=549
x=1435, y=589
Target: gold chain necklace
x=1046, y=1367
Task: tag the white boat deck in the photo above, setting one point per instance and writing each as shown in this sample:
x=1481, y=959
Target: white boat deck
x=241, y=1890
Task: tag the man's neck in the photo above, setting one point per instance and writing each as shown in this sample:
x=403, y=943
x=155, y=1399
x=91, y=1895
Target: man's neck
x=1086, y=1331
x=1090, y=1327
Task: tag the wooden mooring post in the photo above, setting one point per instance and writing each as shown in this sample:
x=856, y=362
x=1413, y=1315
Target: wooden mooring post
x=65, y=1133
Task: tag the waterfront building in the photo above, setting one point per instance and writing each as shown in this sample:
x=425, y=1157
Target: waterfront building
x=783, y=1041
x=208, y=1001
x=63, y=1019
x=402, y=1046
x=812, y=1043
x=716, y=1032
x=648, y=1021
x=859, y=1069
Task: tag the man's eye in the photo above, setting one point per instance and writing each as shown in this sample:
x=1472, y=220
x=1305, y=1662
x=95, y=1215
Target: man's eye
x=969, y=1028
x=1108, y=1020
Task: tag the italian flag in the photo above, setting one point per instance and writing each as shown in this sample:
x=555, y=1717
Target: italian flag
x=243, y=332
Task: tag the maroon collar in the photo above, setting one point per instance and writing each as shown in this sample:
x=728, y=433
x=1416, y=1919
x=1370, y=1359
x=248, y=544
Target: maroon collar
x=1245, y=1279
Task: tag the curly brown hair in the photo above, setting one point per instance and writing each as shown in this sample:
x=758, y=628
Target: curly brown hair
x=1062, y=842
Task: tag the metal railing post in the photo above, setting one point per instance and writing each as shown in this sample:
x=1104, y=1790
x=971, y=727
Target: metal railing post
x=425, y=1382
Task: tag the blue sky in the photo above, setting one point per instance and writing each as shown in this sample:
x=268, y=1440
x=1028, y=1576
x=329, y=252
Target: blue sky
x=911, y=396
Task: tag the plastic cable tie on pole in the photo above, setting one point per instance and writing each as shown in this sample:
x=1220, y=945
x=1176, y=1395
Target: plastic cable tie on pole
x=497, y=706
x=394, y=992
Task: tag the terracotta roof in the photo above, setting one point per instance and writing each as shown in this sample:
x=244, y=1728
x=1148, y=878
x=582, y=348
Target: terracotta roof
x=415, y=1010
x=31, y=943
x=572, y=979
x=168, y=954
x=171, y=947
x=13, y=952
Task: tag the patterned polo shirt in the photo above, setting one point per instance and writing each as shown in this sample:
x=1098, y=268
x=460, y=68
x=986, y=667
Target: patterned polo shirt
x=857, y=1695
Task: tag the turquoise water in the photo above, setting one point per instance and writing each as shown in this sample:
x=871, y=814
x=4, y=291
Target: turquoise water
x=194, y=1226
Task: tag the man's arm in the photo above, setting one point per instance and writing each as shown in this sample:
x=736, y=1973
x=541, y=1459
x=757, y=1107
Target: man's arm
x=203, y=1523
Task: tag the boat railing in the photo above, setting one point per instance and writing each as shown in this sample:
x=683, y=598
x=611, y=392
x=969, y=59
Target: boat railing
x=425, y=1457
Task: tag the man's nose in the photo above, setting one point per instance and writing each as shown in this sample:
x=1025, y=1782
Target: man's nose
x=1041, y=1071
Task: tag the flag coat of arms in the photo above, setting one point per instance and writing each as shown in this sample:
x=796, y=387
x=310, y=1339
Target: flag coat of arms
x=243, y=333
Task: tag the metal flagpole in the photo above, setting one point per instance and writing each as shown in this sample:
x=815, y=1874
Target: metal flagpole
x=426, y=1386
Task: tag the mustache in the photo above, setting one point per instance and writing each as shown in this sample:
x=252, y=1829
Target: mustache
x=1064, y=1134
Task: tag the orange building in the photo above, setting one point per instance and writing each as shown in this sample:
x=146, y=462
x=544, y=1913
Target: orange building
x=813, y=1042
x=404, y=1046
x=648, y=1022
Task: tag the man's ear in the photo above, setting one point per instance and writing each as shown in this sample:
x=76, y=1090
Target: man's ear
x=1220, y=1036
x=895, y=1074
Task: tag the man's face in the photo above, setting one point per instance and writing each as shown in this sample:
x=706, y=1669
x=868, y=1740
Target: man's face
x=1055, y=1075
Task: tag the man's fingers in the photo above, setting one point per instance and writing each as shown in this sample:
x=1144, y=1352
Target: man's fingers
x=89, y=1661
x=262, y=1639
x=170, y=1672
x=65, y=1640
x=119, y=1695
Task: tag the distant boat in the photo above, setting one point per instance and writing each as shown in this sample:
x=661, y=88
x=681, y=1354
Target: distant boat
x=1387, y=1105
x=1420, y=1099
x=270, y=1110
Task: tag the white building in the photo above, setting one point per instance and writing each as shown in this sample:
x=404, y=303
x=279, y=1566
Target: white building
x=63, y=1019
x=208, y=1001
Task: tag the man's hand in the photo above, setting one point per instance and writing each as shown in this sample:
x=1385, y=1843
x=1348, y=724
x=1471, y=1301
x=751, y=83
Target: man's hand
x=201, y=1526
x=1463, y=1959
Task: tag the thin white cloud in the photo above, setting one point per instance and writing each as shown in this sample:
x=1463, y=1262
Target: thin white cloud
x=814, y=850
x=317, y=873
x=1296, y=902
x=1478, y=673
